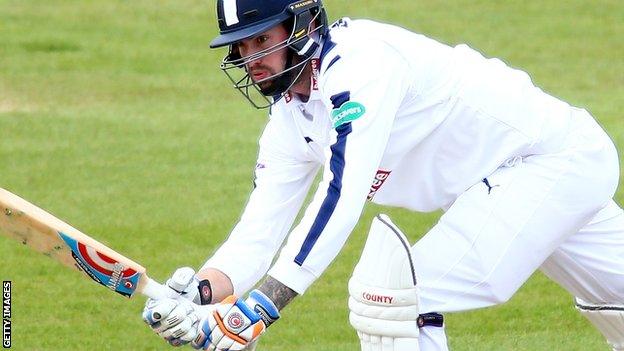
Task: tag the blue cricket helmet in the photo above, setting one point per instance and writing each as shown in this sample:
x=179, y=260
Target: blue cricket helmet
x=243, y=19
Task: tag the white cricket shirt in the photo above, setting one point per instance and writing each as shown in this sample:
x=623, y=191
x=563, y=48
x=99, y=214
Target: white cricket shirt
x=393, y=117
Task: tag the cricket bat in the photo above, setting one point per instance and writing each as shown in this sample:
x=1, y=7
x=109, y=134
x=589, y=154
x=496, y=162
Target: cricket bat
x=43, y=232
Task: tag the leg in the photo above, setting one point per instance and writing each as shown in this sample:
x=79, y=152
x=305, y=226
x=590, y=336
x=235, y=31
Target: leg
x=489, y=242
x=590, y=265
x=609, y=319
x=383, y=300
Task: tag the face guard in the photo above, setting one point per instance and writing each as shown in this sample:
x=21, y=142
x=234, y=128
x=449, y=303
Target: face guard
x=308, y=24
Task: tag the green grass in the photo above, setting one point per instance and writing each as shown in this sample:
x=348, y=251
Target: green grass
x=115, y=116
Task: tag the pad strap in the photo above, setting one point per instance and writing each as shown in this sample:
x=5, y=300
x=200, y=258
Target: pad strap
x=431, y=319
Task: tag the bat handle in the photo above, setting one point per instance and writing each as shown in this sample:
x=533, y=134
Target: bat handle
x=155, y=290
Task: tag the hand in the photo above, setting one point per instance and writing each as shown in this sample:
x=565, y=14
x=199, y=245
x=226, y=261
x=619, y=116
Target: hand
x=175, y=320
x=236, y=324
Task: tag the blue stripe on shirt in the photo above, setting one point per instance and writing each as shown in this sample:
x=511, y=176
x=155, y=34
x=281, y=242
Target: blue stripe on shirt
x=334, y=60
x=340, y=98
x=336, y=165
x=328, y=44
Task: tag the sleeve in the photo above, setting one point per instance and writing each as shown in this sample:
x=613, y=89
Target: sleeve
x=281, y=184
x=366, y=89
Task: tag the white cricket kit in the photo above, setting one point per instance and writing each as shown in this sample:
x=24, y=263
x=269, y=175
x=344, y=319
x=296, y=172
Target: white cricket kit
x=402, y=120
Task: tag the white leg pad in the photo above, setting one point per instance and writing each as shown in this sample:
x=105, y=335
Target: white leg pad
x=386, y=260
x=609, y=319
x=383, y=300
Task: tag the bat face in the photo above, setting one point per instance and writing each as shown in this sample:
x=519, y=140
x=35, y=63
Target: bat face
x=38, y=229
x=103, y=269
x=14, y=223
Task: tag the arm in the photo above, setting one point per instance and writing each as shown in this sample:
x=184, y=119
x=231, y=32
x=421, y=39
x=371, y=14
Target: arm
x=280, y=294
x=283, y=176
x=353, y=160
x=366, y=88
x=331, y=215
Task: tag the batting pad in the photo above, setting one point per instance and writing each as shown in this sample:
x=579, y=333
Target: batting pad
x=609, y=319
x=386, y=260
x=383, y=300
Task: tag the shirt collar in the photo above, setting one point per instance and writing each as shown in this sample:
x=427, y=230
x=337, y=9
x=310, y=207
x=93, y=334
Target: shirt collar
x=291, y=100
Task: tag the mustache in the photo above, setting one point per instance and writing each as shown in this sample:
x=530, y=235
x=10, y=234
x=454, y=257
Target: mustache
x=260, y=68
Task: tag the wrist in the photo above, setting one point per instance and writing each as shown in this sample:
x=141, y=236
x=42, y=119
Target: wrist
x=263, y=306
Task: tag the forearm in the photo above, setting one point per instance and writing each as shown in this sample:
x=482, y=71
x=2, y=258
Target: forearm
x=280, y=294
x=220, y=283
x=222, y=287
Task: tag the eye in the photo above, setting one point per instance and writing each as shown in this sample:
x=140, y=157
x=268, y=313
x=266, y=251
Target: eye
x=261, y=39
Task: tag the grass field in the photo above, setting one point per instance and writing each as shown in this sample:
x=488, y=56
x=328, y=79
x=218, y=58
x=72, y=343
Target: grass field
x=115, y=116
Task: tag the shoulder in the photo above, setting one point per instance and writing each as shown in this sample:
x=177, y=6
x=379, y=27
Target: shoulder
x=367, y=40
x=358, y=53
x=361, y=46
x=370, y=55
x=349, y=38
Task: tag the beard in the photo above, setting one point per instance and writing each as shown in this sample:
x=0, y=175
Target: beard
x=281, y=82
x=276, y=85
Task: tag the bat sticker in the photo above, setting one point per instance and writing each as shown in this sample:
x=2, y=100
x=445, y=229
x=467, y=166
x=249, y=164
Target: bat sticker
x=101, y=268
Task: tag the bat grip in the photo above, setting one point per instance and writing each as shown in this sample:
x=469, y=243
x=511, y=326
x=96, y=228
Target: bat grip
x=155, y=290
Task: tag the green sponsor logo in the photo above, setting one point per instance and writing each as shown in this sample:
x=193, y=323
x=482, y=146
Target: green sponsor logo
x=349, y=111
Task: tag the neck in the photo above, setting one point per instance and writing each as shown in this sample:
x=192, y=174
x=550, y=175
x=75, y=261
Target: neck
x=303, y=85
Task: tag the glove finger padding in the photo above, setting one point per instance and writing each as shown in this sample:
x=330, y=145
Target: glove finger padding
x=175, y=317
x=174, y=320
x=157, y=310
x=186, y=330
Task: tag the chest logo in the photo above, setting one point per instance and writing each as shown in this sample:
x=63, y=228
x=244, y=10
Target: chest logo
x=349, y=111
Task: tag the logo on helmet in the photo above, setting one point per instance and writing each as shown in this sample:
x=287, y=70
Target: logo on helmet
x=302, y=4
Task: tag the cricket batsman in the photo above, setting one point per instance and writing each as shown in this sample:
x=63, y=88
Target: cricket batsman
x=525, y=180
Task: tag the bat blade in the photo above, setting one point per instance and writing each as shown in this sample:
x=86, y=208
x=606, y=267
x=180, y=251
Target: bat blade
x=43, y=232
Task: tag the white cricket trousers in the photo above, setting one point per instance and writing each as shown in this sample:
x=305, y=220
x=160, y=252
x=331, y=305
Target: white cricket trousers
x=552, y=212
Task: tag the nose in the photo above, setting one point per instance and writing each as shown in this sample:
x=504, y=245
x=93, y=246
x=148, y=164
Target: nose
x=256, y=62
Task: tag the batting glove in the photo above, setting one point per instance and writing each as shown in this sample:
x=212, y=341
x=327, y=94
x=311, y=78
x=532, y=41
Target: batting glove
x=236, y=324
x=184, y=282
x=175, y=320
